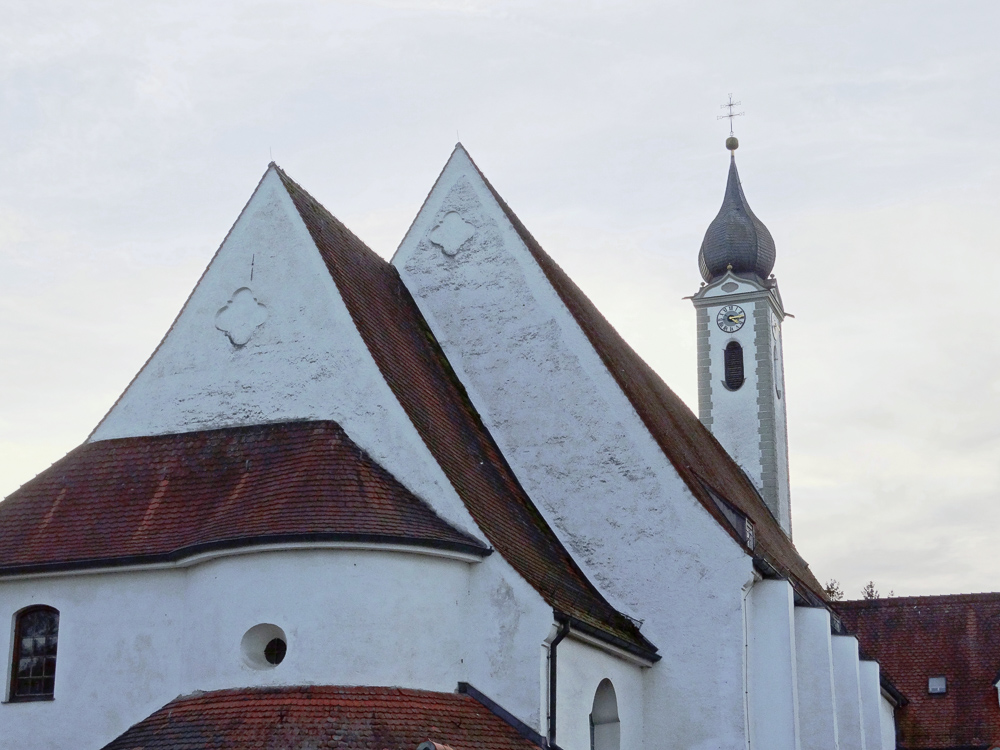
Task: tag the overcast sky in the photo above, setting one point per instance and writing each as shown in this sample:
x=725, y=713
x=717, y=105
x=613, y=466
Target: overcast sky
x=132, y=133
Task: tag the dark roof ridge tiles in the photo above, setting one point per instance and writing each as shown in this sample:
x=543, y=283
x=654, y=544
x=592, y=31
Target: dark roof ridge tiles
x=151, y=499
x=363, y=718
x=423, y=381
x=691, y=448
x=926, y=600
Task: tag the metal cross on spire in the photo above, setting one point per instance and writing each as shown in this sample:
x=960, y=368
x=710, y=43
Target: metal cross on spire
x=731, y=114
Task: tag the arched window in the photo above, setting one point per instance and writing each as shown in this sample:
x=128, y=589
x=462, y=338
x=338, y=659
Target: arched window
x=33, y=671
x=777, y=372
x=605, y=729
x=734, y=366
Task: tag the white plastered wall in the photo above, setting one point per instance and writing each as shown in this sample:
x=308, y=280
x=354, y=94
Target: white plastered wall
x=814, y=679
x=771, y=667
x=735, y=417
x=584, y=456
x=847, y=681
x=581, y=668
x=304, y=361
x=131, y=641
x=871, y=700
x=735, y=423
x=887, y=714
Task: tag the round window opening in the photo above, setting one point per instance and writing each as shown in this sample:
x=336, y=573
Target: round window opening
x=274, y=651
x=264, y=646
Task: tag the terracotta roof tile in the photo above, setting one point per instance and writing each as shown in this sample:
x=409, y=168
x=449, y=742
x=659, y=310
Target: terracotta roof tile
x=695, y=453
x=149, y=499
x=318, y=717
x=417, y=371
x=917, y=637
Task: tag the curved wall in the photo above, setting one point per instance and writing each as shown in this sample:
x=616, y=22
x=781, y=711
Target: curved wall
x=131, y=641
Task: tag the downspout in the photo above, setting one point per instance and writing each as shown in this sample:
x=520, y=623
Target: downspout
x=561, y=633
x=746, y=659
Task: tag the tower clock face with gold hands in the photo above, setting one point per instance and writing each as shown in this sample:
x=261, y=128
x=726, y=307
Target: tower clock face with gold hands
x=731, y=318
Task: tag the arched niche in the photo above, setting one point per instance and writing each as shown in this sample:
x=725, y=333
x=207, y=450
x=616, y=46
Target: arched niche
x=605, y=728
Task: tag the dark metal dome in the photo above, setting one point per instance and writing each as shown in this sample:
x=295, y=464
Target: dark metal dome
x=736, y=237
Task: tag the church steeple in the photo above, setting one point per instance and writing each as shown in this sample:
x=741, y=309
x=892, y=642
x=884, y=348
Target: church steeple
x=741, y=389
x=736, y=238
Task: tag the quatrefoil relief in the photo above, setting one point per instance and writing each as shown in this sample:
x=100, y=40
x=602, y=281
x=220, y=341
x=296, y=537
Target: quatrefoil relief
x=451, y=233
x=241, y=316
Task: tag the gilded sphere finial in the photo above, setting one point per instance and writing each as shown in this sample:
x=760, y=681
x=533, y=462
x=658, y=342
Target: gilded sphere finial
x=731, y=143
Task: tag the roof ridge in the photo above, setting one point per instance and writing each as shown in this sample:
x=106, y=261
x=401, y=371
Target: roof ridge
x=900, y=601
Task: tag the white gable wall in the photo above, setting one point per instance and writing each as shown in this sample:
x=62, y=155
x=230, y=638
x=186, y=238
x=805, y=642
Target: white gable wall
x=305, y=360
x=584, y=456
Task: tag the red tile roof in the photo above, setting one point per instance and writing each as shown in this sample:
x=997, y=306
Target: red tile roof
x=693, y=450
x=315, y=717
x=417, y=371
x=917, y=637
x=149, y=499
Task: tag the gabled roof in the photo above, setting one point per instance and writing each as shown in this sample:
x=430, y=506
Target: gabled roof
x=162, y=498
x=348, y=718
x=917, y=637
x=417, y=371
x=694, y=452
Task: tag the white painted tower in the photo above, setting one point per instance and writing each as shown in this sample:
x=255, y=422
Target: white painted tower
x=741, y=384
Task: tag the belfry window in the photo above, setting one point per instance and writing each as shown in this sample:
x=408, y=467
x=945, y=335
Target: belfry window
x=33, y=671
x=734, y=366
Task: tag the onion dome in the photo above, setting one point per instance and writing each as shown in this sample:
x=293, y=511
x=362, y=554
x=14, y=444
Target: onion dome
x=736, y=238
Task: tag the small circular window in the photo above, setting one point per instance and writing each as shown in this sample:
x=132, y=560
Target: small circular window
x=275, y=650
x=264, y=646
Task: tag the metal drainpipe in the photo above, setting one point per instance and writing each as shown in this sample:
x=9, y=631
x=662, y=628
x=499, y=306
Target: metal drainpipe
x=560, y=634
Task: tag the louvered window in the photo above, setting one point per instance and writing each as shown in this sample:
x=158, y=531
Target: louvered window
x=36, y=635
x=734, y=366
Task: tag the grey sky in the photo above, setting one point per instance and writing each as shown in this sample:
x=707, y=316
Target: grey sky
x=132, y=134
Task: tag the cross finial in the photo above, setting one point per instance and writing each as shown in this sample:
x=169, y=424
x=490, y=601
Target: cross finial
x=730, y=115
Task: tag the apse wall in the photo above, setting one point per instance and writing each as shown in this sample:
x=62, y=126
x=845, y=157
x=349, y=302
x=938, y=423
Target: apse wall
x=131, y=641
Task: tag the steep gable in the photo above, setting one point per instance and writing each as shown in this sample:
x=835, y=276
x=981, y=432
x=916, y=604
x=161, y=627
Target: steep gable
x=296, y=320
x=456, y=224
x=264, y=337
x=692, y=449
x=421, y=377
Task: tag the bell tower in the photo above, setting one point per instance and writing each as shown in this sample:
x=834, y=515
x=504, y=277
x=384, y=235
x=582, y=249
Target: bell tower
x=741, y=384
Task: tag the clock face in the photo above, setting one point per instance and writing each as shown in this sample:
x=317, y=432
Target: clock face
x=731, y=318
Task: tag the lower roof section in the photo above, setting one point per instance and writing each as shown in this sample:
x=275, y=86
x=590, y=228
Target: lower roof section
x=355, y=718
x=142, y=500
x=953, y=638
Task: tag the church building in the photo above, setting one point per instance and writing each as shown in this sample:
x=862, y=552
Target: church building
x=437, y=502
